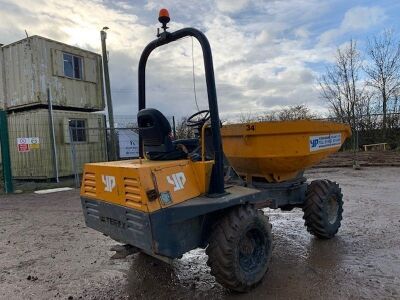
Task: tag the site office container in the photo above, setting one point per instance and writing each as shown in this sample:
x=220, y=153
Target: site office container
x=37, y=161
x=35, y=64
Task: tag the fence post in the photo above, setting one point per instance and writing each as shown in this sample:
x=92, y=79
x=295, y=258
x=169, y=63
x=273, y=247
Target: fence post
x=5, y=153
x=356, y=164
x=53, y=137
x=73, y=156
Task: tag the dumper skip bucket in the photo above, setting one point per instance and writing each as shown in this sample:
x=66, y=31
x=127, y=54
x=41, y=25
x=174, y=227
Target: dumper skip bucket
x=280, y=151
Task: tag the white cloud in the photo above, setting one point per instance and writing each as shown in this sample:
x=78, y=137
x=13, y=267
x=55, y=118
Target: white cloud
x=231, y=6
x=361, y=18
x=261, y=56
x=358, y=18
x=263, y=37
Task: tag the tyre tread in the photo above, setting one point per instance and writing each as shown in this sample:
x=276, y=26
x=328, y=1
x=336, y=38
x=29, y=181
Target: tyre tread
x=313, y=209
x=220, y=251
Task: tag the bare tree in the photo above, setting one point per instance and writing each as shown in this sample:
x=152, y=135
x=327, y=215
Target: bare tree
x=270, y=116
x=383, y=71
x=183, y=131
x=247, y=117
x=296, y=112
x=366, y=112
x=291, y=112
x=341, y=87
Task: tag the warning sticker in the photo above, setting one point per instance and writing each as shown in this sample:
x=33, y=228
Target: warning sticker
x=23, y=148
x=320, y=142
x=34, y=143
x=26, y=144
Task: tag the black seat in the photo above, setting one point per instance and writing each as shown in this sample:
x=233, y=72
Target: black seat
x=155, y=132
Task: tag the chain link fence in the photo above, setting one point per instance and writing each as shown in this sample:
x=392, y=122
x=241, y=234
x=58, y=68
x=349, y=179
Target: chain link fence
x=55, y=151
x=50, y=151
x=369, y=134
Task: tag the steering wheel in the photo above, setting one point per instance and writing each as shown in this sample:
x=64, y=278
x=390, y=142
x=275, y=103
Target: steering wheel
x=198, y=119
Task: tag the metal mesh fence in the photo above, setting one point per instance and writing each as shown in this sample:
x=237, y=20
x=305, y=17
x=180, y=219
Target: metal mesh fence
x=56, y=149
x=44, y=150
x=368, y=133
x=31, y=147
x=40, y=151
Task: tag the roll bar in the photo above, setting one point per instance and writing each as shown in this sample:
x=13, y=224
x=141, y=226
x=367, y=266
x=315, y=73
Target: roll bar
x=217, y=177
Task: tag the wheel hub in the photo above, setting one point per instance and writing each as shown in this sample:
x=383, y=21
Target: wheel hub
x=251, y=250
x=333, y=208
x=247, y=245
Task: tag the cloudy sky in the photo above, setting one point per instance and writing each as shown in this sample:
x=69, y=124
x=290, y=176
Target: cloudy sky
x=267, y=54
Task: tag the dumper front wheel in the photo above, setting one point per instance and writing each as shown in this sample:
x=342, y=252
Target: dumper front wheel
x=240, y=248
x=323, y=208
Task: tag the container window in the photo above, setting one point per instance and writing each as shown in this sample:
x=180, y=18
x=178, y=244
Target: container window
x=78, y=130
x=68, y=65
x=72, y=66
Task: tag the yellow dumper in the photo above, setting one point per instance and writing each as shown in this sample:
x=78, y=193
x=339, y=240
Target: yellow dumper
x=174, y=198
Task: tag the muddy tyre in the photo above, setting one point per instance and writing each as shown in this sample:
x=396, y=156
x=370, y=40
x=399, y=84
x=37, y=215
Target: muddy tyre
x=240, y=248
x=323, y=208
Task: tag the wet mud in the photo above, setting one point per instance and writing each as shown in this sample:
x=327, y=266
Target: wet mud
x=46, y=251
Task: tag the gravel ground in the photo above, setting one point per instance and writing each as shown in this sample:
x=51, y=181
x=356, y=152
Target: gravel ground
x=47, y=252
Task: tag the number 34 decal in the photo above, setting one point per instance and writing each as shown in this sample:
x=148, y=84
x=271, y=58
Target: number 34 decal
x=250, y=127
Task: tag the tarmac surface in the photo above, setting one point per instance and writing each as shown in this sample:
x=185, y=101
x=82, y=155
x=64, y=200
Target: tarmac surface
x=46, y=251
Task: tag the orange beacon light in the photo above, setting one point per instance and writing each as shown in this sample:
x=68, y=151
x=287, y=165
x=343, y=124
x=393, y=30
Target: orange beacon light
x=163, y=17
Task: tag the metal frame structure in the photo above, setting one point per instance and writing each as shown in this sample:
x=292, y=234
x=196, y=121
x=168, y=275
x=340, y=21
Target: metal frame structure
x=217, y=177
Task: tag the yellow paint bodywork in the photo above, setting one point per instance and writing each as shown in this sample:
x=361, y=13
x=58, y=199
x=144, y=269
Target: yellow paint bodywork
x=129, y=183
x=278, y=151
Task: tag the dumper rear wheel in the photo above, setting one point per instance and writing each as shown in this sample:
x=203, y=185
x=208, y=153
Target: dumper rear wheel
x=240, y=248
x=323, y=208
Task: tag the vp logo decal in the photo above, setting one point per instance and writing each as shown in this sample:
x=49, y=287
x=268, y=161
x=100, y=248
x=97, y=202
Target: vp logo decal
x=177, y=180
x=109, y=182
x=313, y=143
x=326, y=141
